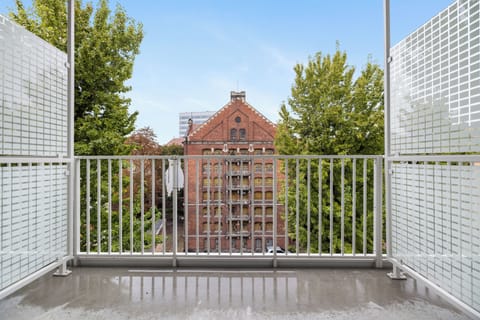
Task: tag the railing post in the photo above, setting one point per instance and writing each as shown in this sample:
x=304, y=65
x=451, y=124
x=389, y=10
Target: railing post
x=76, y=212
x=377, y=212
x=175, y=213
x=275, y=221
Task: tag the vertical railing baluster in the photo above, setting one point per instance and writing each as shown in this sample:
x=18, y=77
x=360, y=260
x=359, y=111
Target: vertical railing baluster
x=131, y=206
x=286, y=205
x=176, y=168
x=153, y=208
x=186, y=165
x=354, y=205
x=209, y=182
x=99, y=207
x=87, y=208
x=274, y=178
x=230, y=199
x=164, y=208
x=142, y=206
x=365, y=178
x=109, y=206
x=297, y=203
x=331, y=207
x=342, y=208
x=264, y=229
x=120, y=206
x=320, y=206
x=218, y=216
x=77, y=211
x=252, y=201
x=197, y=205
x=308, y=206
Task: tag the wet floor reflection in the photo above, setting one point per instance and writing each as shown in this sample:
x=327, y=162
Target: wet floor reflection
x=183, y=293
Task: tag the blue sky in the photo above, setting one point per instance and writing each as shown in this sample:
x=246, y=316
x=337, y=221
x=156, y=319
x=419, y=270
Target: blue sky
x=196, y=51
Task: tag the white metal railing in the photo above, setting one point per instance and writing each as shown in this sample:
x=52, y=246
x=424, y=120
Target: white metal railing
x=122, y=201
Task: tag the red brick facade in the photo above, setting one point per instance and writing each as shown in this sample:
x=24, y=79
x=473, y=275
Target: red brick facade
x=230, y=189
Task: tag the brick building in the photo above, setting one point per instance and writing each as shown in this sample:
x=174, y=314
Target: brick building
x=230, y=188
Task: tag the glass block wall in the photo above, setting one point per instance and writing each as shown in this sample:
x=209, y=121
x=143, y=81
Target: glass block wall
x=435, y=114
x=33, y=125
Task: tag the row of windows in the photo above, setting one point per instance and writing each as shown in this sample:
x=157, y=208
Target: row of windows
x=236, y=243
x=257, y=195
x=213, y=151
x=238, y=227
x=258, y=182
x=258, y=211
x=236, y=166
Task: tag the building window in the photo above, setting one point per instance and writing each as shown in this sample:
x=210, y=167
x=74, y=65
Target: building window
x=238, y=120
x=258, y=245
x=233, y=134
x=243, y=135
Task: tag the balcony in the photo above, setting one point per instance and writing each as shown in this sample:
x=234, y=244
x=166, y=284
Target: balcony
x=161, y=258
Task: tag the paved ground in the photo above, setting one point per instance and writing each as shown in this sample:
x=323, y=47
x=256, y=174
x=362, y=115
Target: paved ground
x=108, y=293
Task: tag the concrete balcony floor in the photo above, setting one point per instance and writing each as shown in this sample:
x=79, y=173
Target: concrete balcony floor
x=119, y=293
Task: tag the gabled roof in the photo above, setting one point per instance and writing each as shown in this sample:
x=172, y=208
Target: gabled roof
x=175, y=142
x=224, y=110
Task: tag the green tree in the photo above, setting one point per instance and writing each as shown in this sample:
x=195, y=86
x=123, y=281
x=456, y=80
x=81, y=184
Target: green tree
x=106, y=45
x=330, y=113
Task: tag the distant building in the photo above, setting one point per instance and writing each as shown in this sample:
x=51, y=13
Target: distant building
x=175, y=142
x=197, y=118
x=230, y=199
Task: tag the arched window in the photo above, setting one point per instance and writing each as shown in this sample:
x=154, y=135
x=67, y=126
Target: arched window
x=233, y=134
x=243, y=134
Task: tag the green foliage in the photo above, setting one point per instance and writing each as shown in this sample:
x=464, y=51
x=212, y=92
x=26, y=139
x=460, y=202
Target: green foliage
x=172, y=150
x=134, y=217
x=330, y=113
x=105, y=48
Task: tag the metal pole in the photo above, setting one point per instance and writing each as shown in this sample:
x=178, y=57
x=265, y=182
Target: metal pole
x=377, y=211
x=386, y=95
x=175, y=213
x=71, y=223
x=395, y=274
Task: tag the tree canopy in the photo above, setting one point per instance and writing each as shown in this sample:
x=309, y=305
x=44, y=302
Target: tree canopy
x=331, y=113
x=106, y=44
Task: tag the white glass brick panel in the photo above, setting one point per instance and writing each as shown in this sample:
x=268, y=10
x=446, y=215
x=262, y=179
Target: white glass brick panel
x=436, y=224
x=33, y=221
x=435, y=84
x=33, y=94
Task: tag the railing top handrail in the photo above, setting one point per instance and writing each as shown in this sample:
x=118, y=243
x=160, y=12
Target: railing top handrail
x=280, y=157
